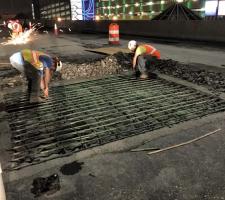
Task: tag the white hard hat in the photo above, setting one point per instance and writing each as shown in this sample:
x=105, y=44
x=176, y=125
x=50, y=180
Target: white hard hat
x=132, y=45
x=59, y=66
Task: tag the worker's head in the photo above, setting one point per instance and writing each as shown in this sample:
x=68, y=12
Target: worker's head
x=57, y=64
x=52, y=63
x=132, y=45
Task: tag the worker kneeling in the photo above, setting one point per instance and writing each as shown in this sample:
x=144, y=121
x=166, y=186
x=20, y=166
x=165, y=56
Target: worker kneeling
x=144, y=56
x=38, y=68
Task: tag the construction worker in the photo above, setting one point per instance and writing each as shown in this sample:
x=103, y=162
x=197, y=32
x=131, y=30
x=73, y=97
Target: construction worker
x=38, y=68
x=16, y=28
x=143, y=56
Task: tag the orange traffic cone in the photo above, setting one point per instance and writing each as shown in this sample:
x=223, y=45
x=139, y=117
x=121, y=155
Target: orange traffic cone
x=30, y=25
x=56, y=29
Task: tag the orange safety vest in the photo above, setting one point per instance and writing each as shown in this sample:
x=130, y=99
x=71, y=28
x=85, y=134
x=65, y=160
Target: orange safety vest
x=33, y=58
x=148, y=49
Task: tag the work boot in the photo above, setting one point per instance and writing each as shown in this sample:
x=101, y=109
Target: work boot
x=36, y=100
x=144, y=76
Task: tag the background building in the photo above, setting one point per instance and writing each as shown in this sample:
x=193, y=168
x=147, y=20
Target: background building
x=64, y=9
x=53, y=9
x=140, y=9
x=120, y=9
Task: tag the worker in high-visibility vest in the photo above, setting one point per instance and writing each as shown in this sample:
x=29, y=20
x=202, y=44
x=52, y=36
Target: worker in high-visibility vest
x=144, y=55
x=38, y=68
x=16, y=28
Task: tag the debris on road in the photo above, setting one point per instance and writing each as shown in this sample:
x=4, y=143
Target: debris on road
x=213, y=80
x=145, y=149
x=185, y=143
x=10, y=77
x=119, y=62
x=114, y=64
x=47, y=185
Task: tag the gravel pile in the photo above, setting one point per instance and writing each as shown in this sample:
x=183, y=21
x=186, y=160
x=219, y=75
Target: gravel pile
x=10, y=77
x=213, y=80
x=110, y=65
x=12, y=81
x=119, y=62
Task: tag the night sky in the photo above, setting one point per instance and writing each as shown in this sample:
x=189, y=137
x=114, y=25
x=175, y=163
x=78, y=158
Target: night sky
x=15, y=6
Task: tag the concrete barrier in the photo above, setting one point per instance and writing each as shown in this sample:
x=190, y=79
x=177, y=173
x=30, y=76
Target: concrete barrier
x=201, y=30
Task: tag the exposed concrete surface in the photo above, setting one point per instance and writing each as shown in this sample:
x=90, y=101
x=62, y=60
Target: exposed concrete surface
x=192, y=55
x=194, y=171
x=72, y=48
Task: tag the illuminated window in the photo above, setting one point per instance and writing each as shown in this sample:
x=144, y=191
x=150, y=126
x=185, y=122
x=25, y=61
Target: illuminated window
x=221, y=10
x=210, y=8
x=149, y=3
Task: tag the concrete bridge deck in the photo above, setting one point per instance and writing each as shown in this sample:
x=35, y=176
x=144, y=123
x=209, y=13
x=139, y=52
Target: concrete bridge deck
x=111, y=171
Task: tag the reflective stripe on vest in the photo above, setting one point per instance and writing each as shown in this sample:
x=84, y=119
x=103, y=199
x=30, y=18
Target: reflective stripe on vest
x=153, y=51
x=33, y=58
x=149, y=49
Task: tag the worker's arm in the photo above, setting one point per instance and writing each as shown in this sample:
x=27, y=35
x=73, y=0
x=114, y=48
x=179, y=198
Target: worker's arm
x=42, y=83
x=134, y=61
x=139, y=51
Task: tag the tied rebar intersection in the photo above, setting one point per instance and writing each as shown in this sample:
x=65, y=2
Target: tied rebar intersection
x=87, y=114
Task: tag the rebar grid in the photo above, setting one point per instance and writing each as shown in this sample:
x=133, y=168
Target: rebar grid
x=87, y=114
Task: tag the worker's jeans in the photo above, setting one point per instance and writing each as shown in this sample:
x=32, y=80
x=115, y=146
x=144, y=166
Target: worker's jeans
x=34, y=80
x=143, y=63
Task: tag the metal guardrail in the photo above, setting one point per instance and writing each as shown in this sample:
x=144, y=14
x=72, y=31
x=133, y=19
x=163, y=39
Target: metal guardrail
x=87, y=114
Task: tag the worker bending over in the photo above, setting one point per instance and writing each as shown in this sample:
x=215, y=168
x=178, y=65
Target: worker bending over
x=144, y=55
x=38, y=68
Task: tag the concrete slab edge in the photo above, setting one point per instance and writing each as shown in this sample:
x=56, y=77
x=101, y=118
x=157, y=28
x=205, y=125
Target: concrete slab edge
x=113, y=147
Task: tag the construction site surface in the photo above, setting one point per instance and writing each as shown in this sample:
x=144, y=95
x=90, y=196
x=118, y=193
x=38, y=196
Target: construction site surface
x=100, y=122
